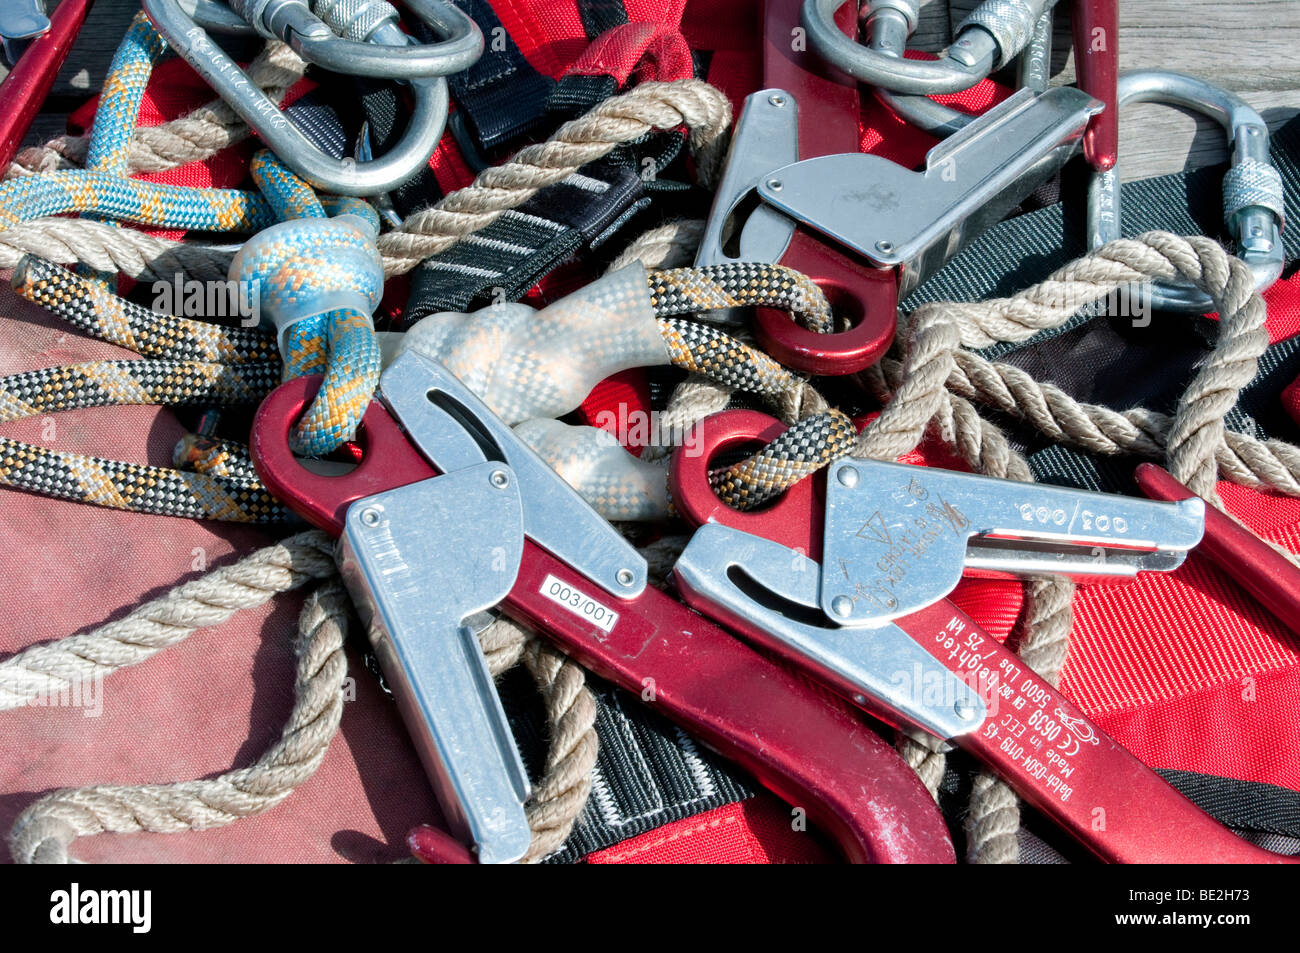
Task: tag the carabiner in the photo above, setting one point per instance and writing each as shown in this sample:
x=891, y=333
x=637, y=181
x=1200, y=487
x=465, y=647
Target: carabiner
x=994, y=33
x=176, y=21
x=1096, y=71
x=363, y=38
x=1252, y=188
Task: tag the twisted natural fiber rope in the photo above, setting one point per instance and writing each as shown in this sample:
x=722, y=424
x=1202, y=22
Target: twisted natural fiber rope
x=704, y=110
x=931, y=387
x=44, y=831
x=562, y=793
x=161, y=623
x=560, y=796
x=191, y=138
x=647, y=107
x=104, y=247
x=1194, y=441
x=670, y=245
x=47, y=827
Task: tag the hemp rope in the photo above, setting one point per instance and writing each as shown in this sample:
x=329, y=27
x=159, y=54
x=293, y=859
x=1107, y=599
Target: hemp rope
x=104, y=247
x=194, y=137
x=1043, y=631
x=624, y=118
x=931, y=387
x=47, y=827
x=647, y=107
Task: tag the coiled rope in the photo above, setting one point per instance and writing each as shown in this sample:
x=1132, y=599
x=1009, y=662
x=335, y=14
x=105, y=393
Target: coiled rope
x=932, y=389
x=47, y=827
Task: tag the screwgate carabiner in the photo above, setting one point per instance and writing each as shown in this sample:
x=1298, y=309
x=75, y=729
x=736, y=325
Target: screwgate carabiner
x=994, y=33
x=1252, y=188
x=357, y=36
x=374, y=46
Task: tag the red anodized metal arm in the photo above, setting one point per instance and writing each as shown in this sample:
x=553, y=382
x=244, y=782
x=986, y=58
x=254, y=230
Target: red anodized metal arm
x=1262, y=571
x=1095, y=25
x=1041, y=743
x=29, y=82
x=829, y=109
x=804, y=745
x=1055, y=758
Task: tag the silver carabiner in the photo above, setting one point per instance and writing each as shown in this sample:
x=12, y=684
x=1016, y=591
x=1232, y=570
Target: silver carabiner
x=345, y=176
x=1252, y=188
x=994, y=33
x=363, y=38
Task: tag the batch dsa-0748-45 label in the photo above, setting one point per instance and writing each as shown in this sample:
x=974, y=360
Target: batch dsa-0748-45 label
x=579, y=603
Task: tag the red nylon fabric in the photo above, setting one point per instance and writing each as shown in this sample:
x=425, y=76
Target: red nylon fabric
x=885, y=134
x=1291, y=399
x=174, y=90
x=617, y=53
x=212, y=703
x=550, y=35
x=614, y=403
x=755, y=831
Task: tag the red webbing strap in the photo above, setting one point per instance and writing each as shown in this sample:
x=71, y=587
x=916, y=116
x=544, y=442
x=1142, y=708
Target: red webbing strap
x=760, y=830
x=653, y=50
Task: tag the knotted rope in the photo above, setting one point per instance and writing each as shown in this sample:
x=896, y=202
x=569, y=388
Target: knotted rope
x=319, y=279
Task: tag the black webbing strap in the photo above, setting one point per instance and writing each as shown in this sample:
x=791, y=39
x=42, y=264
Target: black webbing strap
x=1242, y=805
x=501, y=97
x=648, y=772
x=601, y=16
x=576, y=93
x=501, y=262
x=317, y=118
x=1015, y=254
x=385, y=113
x=504, y=260
x=1265, y=814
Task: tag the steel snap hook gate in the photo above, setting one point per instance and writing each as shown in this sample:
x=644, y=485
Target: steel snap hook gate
x=1096, y=68
x=805, y=746
x=1252, y=188
x=186, y=24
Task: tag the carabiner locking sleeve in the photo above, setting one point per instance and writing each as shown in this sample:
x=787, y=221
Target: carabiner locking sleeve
x=1252, y=188
x=994, y=33
x=362, y=37
x=185, y=25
